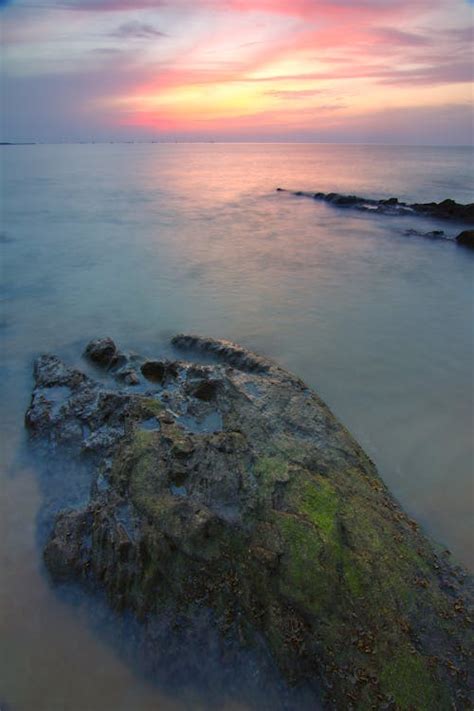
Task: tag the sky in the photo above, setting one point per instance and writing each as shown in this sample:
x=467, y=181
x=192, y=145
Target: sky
x=363, y=71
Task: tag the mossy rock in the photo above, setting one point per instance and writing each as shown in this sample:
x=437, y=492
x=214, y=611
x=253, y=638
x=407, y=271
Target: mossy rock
x=279, y=527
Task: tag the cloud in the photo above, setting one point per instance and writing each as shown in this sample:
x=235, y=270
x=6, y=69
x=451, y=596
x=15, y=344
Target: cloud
x=257, y=64
x=106, y=50
x=429, y=75
x=447, y=73
x=137, y=30
x=445, y=124
x=286, y=94
x=398, y=37
x=460, y=34
x=318, y=8
x=94, y=5
x=297, y=8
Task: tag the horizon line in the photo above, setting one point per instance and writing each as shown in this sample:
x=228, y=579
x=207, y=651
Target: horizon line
x=32, y=142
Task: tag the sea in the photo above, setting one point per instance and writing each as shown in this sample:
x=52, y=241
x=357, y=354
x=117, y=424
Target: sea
x=142, y=241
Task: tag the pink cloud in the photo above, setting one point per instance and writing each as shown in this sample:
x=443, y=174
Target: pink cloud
x=293, y=54
x=296, y=8
x=323, y=7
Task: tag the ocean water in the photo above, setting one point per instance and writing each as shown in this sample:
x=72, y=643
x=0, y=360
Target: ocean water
x=143, y=241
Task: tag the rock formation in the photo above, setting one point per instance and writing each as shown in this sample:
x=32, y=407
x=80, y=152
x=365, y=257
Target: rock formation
x=444, y=210
x=227, y=492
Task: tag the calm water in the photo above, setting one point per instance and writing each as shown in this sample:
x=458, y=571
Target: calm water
x=142, y=241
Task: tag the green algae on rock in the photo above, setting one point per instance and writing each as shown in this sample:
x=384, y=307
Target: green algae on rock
x=272, y=520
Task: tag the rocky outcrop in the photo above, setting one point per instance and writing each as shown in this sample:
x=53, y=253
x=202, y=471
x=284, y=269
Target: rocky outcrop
x=103, y=353
x=228, y=492
x=225, y=351
x=466, y=238
x=445, y=210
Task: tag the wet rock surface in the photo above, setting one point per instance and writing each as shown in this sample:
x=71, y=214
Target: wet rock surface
x=101, y=351
x=158, y=371
x=444, y=210
x=230, y=509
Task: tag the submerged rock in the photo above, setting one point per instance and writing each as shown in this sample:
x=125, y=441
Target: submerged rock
x=432, y=234
x=101, y=351
x=445, y=210
x=273, y=527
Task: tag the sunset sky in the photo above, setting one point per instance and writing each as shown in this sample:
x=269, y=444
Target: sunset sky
x=386, y=71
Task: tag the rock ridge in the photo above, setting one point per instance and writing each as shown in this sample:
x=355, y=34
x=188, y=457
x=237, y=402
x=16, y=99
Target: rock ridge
x=445, y=210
